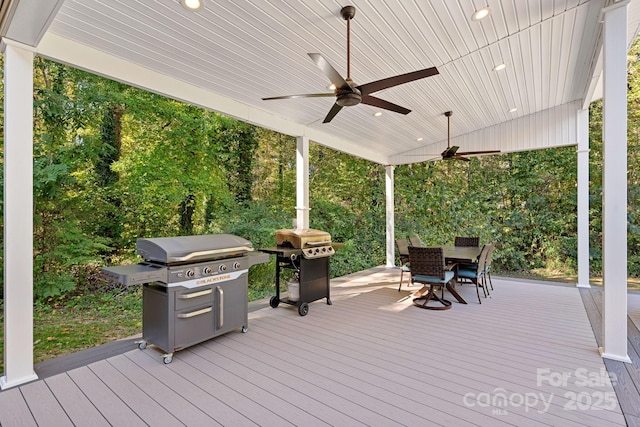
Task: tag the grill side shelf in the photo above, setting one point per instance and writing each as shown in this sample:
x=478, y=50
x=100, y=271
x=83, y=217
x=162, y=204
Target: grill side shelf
x=135, y=274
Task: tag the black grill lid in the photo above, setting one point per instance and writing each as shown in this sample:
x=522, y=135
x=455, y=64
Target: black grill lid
x=184, y=249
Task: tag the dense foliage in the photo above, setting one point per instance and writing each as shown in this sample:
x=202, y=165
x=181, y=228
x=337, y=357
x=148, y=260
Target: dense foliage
x=113, y=163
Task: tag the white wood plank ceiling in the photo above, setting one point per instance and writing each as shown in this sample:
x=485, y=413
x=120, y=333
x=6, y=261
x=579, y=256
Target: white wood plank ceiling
x=246, y=50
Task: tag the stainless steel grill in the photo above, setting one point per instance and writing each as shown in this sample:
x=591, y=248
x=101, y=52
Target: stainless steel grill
x=307, y=252
x=194, y=287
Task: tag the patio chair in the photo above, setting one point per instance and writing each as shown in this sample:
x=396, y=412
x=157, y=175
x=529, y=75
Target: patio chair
x=415, y=241
x=476, y=274
x=467, y=241
x=428, y=268
x=487, y=264
x=403, y=253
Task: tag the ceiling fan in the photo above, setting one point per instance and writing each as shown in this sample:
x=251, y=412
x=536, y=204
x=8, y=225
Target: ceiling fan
x=451, y=153
x=346, y=92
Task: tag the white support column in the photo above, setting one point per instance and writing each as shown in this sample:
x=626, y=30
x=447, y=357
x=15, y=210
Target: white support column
x=18, y=215
x=302, y=183
x=390, y=211
x=614, y=191
x=583, y=198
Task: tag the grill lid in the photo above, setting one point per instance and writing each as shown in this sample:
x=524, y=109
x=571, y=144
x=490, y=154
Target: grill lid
x=302, y=237
x=182, y=249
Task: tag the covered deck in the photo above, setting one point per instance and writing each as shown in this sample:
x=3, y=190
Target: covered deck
x=526, y=356
x=226, y=57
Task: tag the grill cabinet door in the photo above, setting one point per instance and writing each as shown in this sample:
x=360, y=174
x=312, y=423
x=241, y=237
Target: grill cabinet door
x=231, y=304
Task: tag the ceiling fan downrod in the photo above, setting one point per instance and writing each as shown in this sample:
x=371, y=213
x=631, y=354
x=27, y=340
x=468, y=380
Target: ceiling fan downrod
x=348, y=12
x=448, y=114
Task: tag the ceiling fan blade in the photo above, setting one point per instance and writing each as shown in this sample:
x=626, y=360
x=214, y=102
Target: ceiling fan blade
x=450, y=151
x=334, y=77
x=308, y=95
x=372, y=87
x=459, y=157
x=381, y=103
x=471, y=153
x=430, y=159
x=332, y=113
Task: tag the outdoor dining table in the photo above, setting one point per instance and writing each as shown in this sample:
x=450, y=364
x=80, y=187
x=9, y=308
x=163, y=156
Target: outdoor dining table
x=459, y=255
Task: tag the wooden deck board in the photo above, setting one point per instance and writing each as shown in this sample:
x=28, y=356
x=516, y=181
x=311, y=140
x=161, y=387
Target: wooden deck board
x=226, y=394
x=369, y=359
x=15, y=411
x=250, y=365
x=43, y=405
x=219, y=412
x=76, y=405
x=167, y=399
x=460, y=370
x=110, y=405
x=314, y=374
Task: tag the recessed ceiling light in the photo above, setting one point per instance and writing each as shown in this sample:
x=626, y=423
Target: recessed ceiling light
x=500, y=67
x=377, y=113
x=481, y=13
x=419, y=139
x=513, y=110
x=192, y=4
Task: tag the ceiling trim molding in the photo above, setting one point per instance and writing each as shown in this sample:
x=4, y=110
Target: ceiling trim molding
x=8, y=42
x=63, y=50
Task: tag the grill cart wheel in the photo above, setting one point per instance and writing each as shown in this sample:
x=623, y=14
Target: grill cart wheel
x=244, y=329
x=167, y=358
x=142, y=345
x=274, y=301
x=303, y=310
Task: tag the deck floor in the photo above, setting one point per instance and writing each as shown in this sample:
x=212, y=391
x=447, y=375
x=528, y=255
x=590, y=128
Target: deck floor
x=526, y=357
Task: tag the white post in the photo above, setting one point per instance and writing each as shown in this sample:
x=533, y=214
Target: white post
x=583, y=198
x=302, y=183
x=18, y=215
x=389, y=190
x=614, y=191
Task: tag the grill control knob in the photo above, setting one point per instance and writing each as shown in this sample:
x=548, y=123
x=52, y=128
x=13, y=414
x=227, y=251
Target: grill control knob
x=222, y=268
x=206, y=270
x=190, y=273
x=236, y=265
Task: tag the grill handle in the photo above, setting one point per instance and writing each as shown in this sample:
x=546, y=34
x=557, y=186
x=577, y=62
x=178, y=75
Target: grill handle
x=194, y=313
x=212, y=252
x=220, y=306
x=323, y=243
x=196, y=294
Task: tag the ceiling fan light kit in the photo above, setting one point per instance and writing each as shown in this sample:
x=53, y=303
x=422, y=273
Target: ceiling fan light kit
x=347, y=93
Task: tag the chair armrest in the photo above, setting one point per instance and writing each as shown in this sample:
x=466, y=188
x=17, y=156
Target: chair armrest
x=449, y=267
